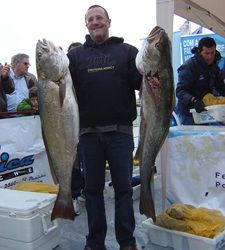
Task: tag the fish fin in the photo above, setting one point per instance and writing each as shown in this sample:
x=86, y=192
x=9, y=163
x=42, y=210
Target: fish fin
x=63, y=208
x=50, y=162
x=146, y=205
x=62, y=92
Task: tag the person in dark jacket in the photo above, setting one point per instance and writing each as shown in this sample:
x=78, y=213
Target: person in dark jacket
x=6, y=87
x=198, y=76
x=105, y=78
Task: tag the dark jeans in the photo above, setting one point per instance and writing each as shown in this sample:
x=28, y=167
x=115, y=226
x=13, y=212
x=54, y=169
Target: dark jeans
x=77, y=179
x=77, y=182
x=116, y=148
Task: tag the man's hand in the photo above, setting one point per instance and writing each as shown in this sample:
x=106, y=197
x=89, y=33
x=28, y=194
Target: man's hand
x=5, y=71
x=199, y=105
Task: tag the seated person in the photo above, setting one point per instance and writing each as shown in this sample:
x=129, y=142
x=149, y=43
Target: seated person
x=31, y=103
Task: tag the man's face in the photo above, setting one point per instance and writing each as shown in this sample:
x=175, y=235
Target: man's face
x=208, y=54
x=22, y=67
x=97, y=24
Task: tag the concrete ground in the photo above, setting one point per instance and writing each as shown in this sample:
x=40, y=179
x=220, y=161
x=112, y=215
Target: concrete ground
x=73, y=232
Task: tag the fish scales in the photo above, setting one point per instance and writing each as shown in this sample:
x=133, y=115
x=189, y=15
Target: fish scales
x=153, y=60
x=59, y=116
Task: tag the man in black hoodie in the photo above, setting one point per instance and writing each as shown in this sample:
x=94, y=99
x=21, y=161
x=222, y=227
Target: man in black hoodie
x=105, y=78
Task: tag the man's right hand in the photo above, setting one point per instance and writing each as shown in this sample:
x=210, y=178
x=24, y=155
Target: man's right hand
x=199, y=105
x=5, y=71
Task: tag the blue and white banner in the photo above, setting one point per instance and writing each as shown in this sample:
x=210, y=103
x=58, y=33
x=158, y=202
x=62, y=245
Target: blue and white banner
x=22, y=152
x=190, y=41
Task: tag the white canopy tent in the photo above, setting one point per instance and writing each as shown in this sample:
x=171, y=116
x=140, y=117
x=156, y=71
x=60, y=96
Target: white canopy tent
x=207, y=13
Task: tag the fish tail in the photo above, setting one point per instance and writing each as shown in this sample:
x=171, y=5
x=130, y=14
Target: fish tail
x=146, y=205
x=63, y=208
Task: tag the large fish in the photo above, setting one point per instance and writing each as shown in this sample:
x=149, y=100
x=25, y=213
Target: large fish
x=153, y=61
x=59, y=119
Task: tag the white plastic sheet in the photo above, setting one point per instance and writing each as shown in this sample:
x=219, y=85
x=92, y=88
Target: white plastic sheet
x=22, y=152
x=196, y=166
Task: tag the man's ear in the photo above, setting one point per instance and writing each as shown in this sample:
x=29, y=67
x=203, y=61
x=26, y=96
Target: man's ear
x=109, y=23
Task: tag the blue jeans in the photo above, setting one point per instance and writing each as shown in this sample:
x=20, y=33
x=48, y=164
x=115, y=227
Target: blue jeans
x=77, y=180
x=116, y=148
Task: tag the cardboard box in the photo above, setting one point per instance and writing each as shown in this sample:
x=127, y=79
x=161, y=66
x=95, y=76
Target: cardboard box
x=25, y=219
x=180, y=240
x=214, y=113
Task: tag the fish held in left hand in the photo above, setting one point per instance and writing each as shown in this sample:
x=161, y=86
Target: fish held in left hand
x=59, y=116
x=157, y=101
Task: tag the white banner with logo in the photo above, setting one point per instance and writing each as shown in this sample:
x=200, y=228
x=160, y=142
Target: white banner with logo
x=22, y=152
x=196, y=166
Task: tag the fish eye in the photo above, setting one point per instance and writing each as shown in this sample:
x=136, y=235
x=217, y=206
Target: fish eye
x=39, y=55
x=157, y=45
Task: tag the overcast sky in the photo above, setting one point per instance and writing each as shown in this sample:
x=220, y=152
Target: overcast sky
x=23, y=22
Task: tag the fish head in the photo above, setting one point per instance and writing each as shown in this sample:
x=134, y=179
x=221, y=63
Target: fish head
x=149, y=58
x=51, y=61
x=156, y=42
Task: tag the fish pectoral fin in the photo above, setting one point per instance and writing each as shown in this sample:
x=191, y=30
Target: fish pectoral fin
x=62, y=92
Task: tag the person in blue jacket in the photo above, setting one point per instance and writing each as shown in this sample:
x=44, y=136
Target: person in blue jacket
x=198, y=76
x=105, y=77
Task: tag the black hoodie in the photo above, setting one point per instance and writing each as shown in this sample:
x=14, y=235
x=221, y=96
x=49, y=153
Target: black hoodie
x=105, y=78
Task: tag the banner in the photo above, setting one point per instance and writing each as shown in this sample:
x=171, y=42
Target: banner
x=190, y=41
x=195, y=170
x=22, y=152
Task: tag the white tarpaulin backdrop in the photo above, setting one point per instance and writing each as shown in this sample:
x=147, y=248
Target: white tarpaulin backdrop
x=22, y=152
x=195, y=169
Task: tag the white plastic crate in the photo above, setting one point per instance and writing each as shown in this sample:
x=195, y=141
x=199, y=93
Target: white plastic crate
x=180, y=240
x=214, y=113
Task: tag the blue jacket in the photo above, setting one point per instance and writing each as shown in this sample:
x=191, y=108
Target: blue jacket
x=105, y=78
x=196, y=79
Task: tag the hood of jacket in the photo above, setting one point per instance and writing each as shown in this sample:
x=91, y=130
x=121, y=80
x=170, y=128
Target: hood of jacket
x=111, y=40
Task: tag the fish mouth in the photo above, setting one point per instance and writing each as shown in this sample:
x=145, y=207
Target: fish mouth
x=154, y=34
x=154, y=76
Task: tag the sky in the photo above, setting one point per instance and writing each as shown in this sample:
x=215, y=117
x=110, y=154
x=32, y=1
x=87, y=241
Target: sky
x=24, y=22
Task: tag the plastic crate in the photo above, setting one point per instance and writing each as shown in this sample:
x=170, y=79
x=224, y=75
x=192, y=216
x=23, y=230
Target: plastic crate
x=214, y=113
x=180, y=240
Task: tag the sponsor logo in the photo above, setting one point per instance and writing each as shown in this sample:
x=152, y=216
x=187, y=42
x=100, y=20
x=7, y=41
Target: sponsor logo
x=7, y=164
